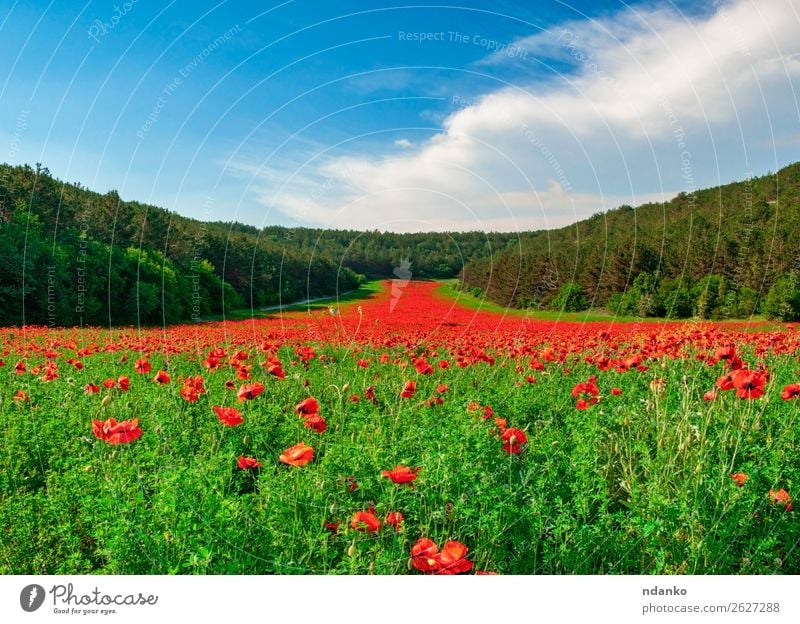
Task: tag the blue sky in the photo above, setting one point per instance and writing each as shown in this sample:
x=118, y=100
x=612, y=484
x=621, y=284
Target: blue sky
x=378, y=115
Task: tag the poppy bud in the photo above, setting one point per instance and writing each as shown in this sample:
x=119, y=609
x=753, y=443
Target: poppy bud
x=513, y=440
x=345, y=387
x=332, y=509
x=106, y=400
x=351, y=551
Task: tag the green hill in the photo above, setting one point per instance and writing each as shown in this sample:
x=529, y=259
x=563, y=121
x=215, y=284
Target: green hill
x=73, y=257
x=728, y=251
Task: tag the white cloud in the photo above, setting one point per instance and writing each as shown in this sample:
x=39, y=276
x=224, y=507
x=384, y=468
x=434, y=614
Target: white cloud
x=654, y=102
x=404, y=143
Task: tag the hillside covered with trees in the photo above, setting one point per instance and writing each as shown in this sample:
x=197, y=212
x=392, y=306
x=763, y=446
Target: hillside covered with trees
x=77, y=257
x=724, y=252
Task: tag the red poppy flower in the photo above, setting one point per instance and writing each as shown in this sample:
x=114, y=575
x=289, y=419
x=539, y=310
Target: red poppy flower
x=710, y=395
x=250, y=391
x=228, y=416
x=161, y=377
x=740, y=478
x=276, y=370
x=441, y=388
x=726, y=353
x=616, y=391
x=725, y=382
x=749, y=384
x=315, y=422
x=124, y=383
x=409, y=389
x=369, y=393
x=513, y=439
x=781, y=497
x=91, y=388
x=365, y=521
x=298, y=455
x=21, y=396
x=19, y=367
x=423, y=366
x=115, y=432
x=425, y=555
x=452, y=559
x=401, y=474
x=142, y=366
x=395, y=519
x=792, y=391
x=248, y=463
x=362, y=363
x=333, y=527
x=581, y=404
x=307, y=406
x=109, y=383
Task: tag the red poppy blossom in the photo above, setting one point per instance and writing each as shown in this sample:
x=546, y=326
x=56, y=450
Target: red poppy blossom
x=315, y=422
x=425, y=555
x=452, y=559
x=142, y=366
x=710, y=395
x=21, y=396
x=740, y=478
x=115, y=432
x=161, y=377
x=423, y=366
x=781, y=497
x=749, y=384
x=365, y=521
x=276, y=370
x=91, y=388
x=513, y=439
x=395, y=519
x=401, y=474
x=248, y=463
x=307, y=406
x=228, y=416
x=250, y=391
x=791, y=391
x=124, y=383
x=616, y=391
x=726, y=382
x=109, y=383
x=409, y=389
x=298, y=455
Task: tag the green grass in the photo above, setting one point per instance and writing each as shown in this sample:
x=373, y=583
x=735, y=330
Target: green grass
x=365, y=291
x=636, y=484
x=449, y=289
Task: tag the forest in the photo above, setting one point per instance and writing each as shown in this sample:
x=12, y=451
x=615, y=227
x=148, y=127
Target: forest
x=77, y=257
x=725, y=252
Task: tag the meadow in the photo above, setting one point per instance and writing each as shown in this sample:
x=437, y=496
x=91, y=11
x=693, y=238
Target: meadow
x=403, y=433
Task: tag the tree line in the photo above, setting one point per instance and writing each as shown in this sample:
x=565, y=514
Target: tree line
x=724, y=252
x=78, y=257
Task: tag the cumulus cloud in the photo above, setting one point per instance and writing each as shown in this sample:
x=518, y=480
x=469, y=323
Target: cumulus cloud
x=651, y=102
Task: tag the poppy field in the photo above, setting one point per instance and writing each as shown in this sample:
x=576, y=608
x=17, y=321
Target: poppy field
x=400, y=434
